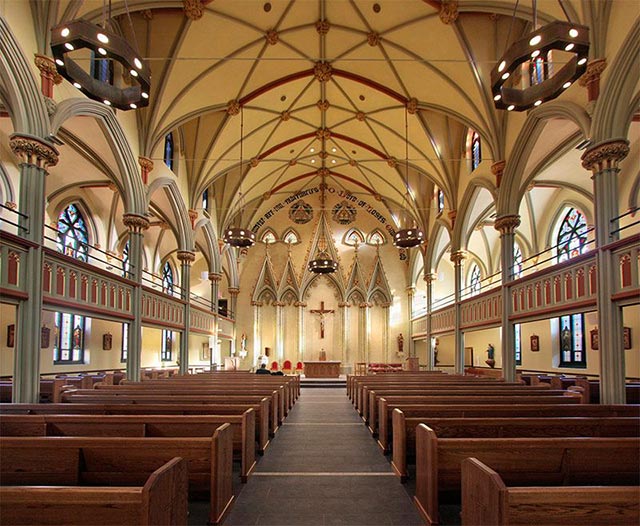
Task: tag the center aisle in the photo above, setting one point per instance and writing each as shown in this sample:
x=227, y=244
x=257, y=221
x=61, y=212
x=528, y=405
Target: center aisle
x=323, y=468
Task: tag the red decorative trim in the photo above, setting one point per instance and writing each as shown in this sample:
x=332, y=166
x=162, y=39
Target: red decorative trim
x=25, y=243
x=155, y=323
x=12, y=293
x=634, y=293
x=555, y=309
x=78, y=307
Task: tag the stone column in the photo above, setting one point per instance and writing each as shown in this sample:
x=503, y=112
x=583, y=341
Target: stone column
x=385, y=332
x=603, y=160
x=344, y=306
x=233, y=301
x=590, y=79
x=146, y=166
x=301, y=306
x=136, y=224
x=215, y=278
x=279, y=305
x=34, y=158
x=411, y=291
x=49, y=75
x=364, y=331
x=429, y=278
x=458, y=258
x=497, y=169
x=257, y=331
x=507, y=225
x=186, y=258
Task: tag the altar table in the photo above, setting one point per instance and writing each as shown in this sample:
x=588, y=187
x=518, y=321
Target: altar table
x=322, y=369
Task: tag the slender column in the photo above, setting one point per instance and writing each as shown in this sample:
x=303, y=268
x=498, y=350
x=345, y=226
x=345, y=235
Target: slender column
x=215, y=278
x=257, y=331
x=429, y=278
x=458, y=258
x=233, y=293
x=603, y=160
x=279, y=330
x=590, y=79
x=385, y=331
x=507, y=225
x=136, y=224
x=146, y=166
x=186, y=258
x=301, y=306
x=35, y=156
x=411, y=291
x=49, y=75
x=344, y=306
x=364, y=331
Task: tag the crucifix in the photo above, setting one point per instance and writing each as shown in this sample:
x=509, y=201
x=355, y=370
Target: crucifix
x=322, y=312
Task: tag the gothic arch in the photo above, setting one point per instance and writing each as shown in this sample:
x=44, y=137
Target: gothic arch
x=185, y=233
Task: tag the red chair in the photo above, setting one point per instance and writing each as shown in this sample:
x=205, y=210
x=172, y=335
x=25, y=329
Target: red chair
x=274, y=366
x=299, y=368
x=287, y=367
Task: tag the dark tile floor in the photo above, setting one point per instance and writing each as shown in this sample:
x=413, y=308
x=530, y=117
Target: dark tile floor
x=322, y=468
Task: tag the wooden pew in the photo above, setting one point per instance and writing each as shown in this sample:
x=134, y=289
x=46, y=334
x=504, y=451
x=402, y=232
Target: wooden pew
x=499, y=410
x=122, y=461
x=487, y=501
x=404, y=431
x=243, y=429
x=260, y=409
x=162, y=499
x=520, y=461
x=50, y=389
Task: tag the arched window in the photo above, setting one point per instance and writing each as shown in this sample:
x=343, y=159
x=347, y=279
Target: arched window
x=268, y=237
x=572, y=235
x=474, y=279
x=69, y=346
x=440, y=201
x=167, y=278
x=124, y=351
x=168, y=150
x=353, y=237
x=166, y=348
x=476, y=150
x=538, y=69
x=376, y=238
x=290, y=237
x=517, y=343
x=73, y=236
x=517, y=261
x=205, y=199
x=572, y=353
x=125, y=260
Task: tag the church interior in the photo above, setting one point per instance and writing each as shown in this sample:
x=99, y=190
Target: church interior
x=328, y=187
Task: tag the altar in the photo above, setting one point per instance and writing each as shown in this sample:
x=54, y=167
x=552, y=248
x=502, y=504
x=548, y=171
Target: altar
x=322, y=369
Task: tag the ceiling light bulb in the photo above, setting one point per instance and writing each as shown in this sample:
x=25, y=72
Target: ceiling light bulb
x=137, y=62
x=535, y=53
x=145, y=95
x=582, y=61
x=77, y=85
x=65, y=32
x=569, y=47
x=573, y=33
x=69, y=46
x=502, y=65
x=566, y=85
x=497, y=97
x=537, y=103
x=535, y=40
x=59, y=62
x=333, y=161
x=133, y=72
x=133, y=106
x=312, y=150
x=505, y=76
x=103, y=38
x=108, y=103
x=313, y=161
x=511, y=107
x=333, y=150
x=102, y=51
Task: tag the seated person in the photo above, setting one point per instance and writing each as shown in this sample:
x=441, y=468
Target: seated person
x=263, y=369
x=277, y=373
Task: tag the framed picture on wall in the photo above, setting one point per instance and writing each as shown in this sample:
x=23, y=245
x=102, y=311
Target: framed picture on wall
x=205, y=352
x=595, y=340
x=45, y=334
x=627, y=338
x=107, y=341
x=11, y=335
x=535, y=343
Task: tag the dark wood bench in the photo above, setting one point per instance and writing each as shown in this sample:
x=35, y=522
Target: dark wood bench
x=119, y=461
x=243, y=429
x=260, y=409
x=521, y=462
x=404, y=430
x=488, y=501
x=495, y=411
x=162, y=499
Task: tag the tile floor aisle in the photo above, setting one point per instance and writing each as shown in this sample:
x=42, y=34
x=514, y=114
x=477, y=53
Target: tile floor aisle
x=323, y=468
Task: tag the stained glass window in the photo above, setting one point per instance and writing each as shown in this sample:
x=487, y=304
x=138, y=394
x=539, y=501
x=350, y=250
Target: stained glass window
x=69, y=345
x=268, y=237
x=167, y=278
x=291, y=237
x=125, y=260
x=474, y=279
x=538, y=71
x=205, y=199
x=440, y=201
x=517, y=343
x=517, y=261
x=166, y=350
x=572, y=236
x=572, y=351
x=73, y=236
x=102, y=69
x=376, y=238
x=476, y=151
x=168, y=150
x=124, y=352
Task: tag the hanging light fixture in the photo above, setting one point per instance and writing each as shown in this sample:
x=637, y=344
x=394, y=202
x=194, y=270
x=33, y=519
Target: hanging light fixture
x=106, y=45
x=323, y=263
x=562, y=37
x=407, y=237
x=238, y=236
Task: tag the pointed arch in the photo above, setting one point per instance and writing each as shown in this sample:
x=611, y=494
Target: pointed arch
x=268, y=236
x=179, y=208
x=379, y=285
x=376, y=237
x=356, y=282
x=353, y=236
x=291, y=237
x=266, y=284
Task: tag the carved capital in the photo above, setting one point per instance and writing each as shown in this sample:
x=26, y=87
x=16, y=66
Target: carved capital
x=214, y=277
x=448, y=11
x=364, y=305
x=322, y=71
x=344, y=304
x=279, y=304
x=272, y=37
x=14, y=206
x=135, y=223
x=595, y=68
x=322, y=27
x=430, y=277
x=256, y=303
x=146, y=166
x=47, y=68
x=605, y=155
x=497, y=169
x=412, y=106
x=193, y=9
x=193, y=215
x=458, y=256
x=233, y=107
x=452, y=216
x=32, y=150
x=507, y=224
x=373, y=39
x=234, y=291
x=300, y=304
x=186, y=257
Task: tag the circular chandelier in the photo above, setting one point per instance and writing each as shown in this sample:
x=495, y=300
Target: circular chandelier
x=239, y=237
x=408, y=238
x=323, y=264
x=80, y=34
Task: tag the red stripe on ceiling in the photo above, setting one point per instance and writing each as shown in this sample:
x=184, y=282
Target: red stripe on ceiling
x=315, y=172
x=276, y=83
x=286, y=143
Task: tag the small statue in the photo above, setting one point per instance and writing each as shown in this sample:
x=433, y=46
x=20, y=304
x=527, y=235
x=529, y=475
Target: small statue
x=490, y=354
x=400, y=343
